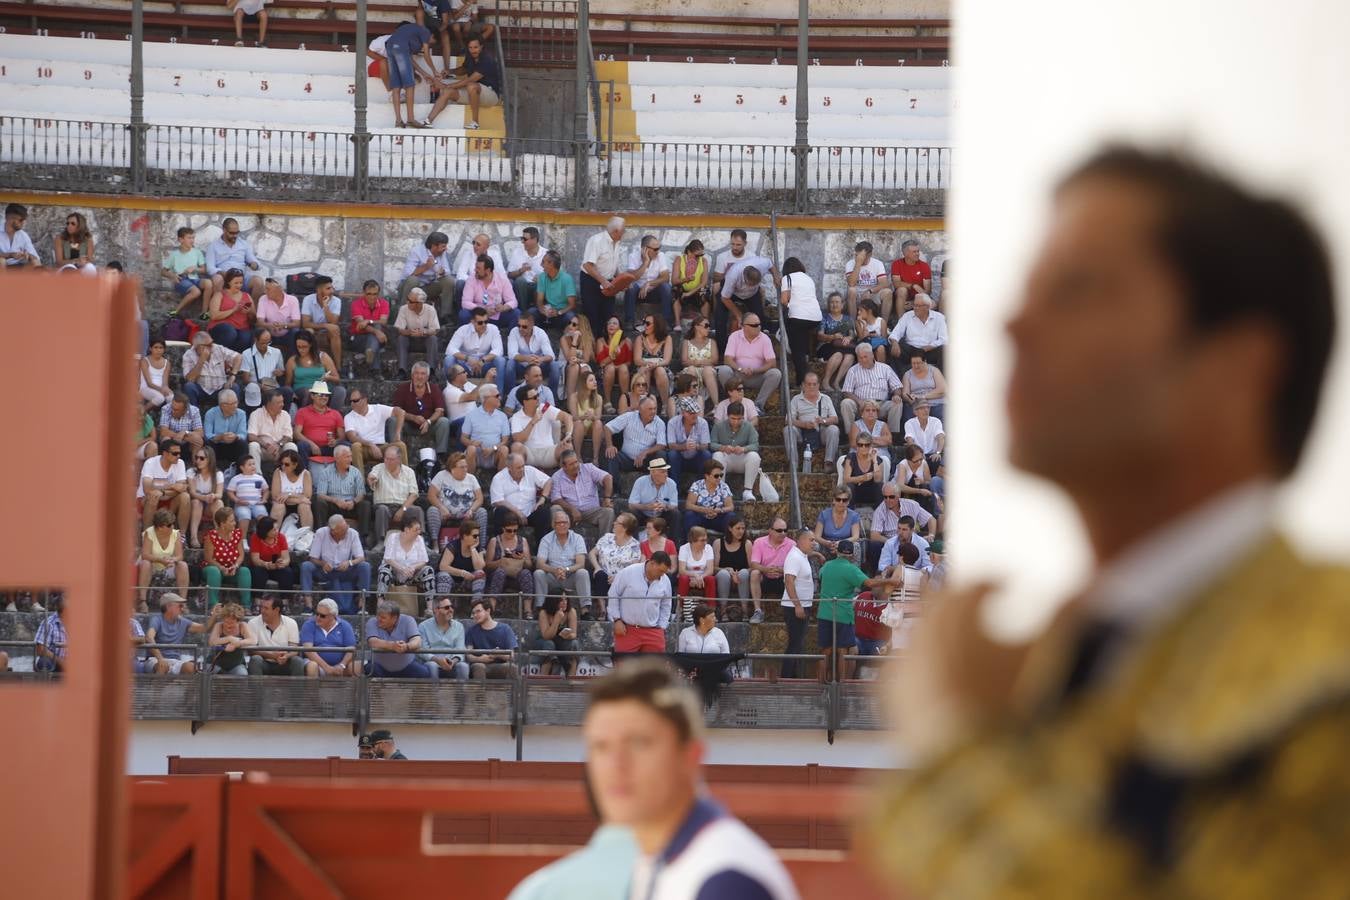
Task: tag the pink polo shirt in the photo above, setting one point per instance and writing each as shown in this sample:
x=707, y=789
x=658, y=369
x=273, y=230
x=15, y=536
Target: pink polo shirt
x=765, y=554
x=749, y=354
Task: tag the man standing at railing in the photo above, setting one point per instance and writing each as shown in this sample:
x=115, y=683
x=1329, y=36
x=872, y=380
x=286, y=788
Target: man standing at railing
x=599, y=264
x=639, y=605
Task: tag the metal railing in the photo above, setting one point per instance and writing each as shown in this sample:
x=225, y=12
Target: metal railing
x=199, y=160
x=537, y=32
x=785, y=388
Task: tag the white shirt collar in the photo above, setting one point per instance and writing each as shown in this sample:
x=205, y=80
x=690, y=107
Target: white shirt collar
x=1160, y=572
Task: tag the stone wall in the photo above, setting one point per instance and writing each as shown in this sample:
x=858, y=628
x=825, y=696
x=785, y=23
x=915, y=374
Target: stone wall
x=353, y=249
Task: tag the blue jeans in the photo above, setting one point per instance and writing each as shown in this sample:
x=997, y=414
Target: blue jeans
x=524, y=292
x=869, y=647
x=198, y=395
x=459, y=671
x=679, y=464
x=661, y=293
x=225, y=334
x=516, y=371
x=340, y=584
x=414, y=669
x=718, y=522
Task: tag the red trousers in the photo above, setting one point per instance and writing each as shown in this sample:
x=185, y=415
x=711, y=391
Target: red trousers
x=709, y=586
x=638, y=639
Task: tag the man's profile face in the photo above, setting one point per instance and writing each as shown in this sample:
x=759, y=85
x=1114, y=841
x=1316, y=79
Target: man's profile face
x=1099, y=371
x=912, y=254
x=480, y=271
x=638, y=768
x=572, y=466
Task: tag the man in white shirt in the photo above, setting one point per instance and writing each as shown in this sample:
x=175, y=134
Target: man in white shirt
x=535, y=430
x=799, y=589
x=525, y=264
x=651, y=268
x=321, y=313
x=261, y=363
x=813, y=424
x=926, y=432
x=428, y=266
x=467, y=258
x=599, y=264
x=371, y=427
x=528, y=346
x=725, y=260
x=461, y=395
x=163, y=484
x=417, y=321
x=269, y=430
x=477, y=347
x=921, y=330
x=741, y=293
x=866, y=380
x=272, y=629
x=523, y=490
x=16, y=247
x=867, y=280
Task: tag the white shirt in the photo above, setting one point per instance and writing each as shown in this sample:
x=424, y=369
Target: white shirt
x=537, y=345
x=310, y=307
x=542, y=434
x=712, y=642
x=394, y=552
x=153, y=470
x=910, y=330
x=796, y=564
x=456, y=408
x=603, y=251
x=420, y=254
x=926, y=438
x=869, y=273
x=803, y=301
x=519, y=258
x=20, y=241
x=262, y=365
x=697, y=568
x=522, y=496
x=287, y=633
x=370, y=427
x=466, y=258
x=469, y=342
x=726, y=260
x=654, y=268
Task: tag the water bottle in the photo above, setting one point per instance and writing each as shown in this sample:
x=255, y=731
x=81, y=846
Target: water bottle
x=806, y=458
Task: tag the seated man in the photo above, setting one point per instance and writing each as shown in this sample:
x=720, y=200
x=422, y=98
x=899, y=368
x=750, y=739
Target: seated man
x=867, y=280
x=926, y=432
x=737, y=448
x=336, y=559
x=689, y=438
x=577, y=488
x=443, y=635
x=532, y=378
x=651, y=271
x=279, y=313
x=341, y=489
x=813, y=424
x=488, y=634
x=226, y=429
x=170, y=626
x=890, y=553
x=540, y=432
x=393, y=493
x=886, y=522
x=208, y=368
x=372, y=428
x=867, y=380
x=370, y=317
x=766, y=566
x=272, y=629
x=423, y=409
x=321, y=313
x=416, y=321
x=180, y=421
x=164, y=485
x=481, y=84
x=486, y=434
x=327, y=629
x=230, y=251
x=751, y=358
x=491, y=290
x=318, y=427
x=467, y=258
x=555, y=292
x=642, y=435
x=656, y=494
x=429, y=268
x=560, y=564
x=50, y=640
x=524, y=266
x=460, y=396
x=394, y=638
x=269, y=430
x=263, y=369
x=528, y=346
x=922, y=330
x=522, y=490
x=477, y=347
x=910, y=276
x=16, y=247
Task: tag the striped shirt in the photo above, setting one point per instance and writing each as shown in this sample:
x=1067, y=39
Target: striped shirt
x=191, y=420
x=876, y=383
x=52, y=635
x=634, y=435
x=584, y=492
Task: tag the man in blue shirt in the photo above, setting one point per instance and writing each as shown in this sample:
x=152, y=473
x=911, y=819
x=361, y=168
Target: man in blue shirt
x=904, y=534
x=655, y=494
x=486, y=432
x=442, y=633
x=488, y=634
x=395, y=634
x=326, y=629
x=230, y=251
x=482, y=82
x=227, y=429
x=642, y=436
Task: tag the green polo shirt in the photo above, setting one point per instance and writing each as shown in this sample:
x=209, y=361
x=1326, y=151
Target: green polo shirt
x=555, y=291
x=840, y=579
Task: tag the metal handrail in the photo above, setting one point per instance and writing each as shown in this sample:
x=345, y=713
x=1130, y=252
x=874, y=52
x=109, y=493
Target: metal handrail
x=785, y=387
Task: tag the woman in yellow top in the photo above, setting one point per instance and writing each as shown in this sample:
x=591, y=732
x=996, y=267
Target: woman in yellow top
x=161, y=559
x=689, y=277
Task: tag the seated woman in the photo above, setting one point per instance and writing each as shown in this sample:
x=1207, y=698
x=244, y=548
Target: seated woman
x=612, y=552
x=587, y=409
x=576, y=355
x=556, y=629
x=922, y=381
x=270, y=556
x=146, y=444
x=155, y=372
x=705, y=638
x=224, y=557
x=731, y=562
x=161, y=562
x=230, y=314
x=863, y=474
x=206, y=487
x=508, y=561
x=455, y=497
x=838, y=523
x=614, y=355
x=638, y=389
x=406, y=562
x=695, y=565
x=871, y=424
x=653, y=351
x=709, y=502
x=699, y=358
x=913, y=478
x=310, y=365
x=462, y=568
x=292, y=490
x=689, y=274
x=230, y=636
x=834, y=344
x=73, y=248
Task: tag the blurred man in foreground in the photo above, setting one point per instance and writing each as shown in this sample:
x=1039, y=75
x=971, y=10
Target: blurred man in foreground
x=1180, y=729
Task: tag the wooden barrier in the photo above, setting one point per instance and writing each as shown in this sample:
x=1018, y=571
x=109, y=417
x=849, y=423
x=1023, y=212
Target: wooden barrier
x=175, y=829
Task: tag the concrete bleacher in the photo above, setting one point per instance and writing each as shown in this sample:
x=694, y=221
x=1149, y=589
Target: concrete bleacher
x=296, y=105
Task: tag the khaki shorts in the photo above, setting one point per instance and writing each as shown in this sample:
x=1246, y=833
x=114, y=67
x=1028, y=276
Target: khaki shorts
x=540, y=457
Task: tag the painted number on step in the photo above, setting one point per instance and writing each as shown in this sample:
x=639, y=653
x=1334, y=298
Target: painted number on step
x=220, y=82
x=44, y=72
x=782, y=100
x=309, y=88
x=867, y=102
x=698, y=98
x=178, y=81
x=913, y=102
x=262, y=85
x=740, y=99
x=351, y=88
x=825, y=101
x=88, y=75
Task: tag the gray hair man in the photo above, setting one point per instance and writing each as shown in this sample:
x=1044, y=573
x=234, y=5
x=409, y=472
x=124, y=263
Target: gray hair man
x=327, y=629
x=417, y=321
x=600, y=263
x=561, y=562
x=813, y=424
